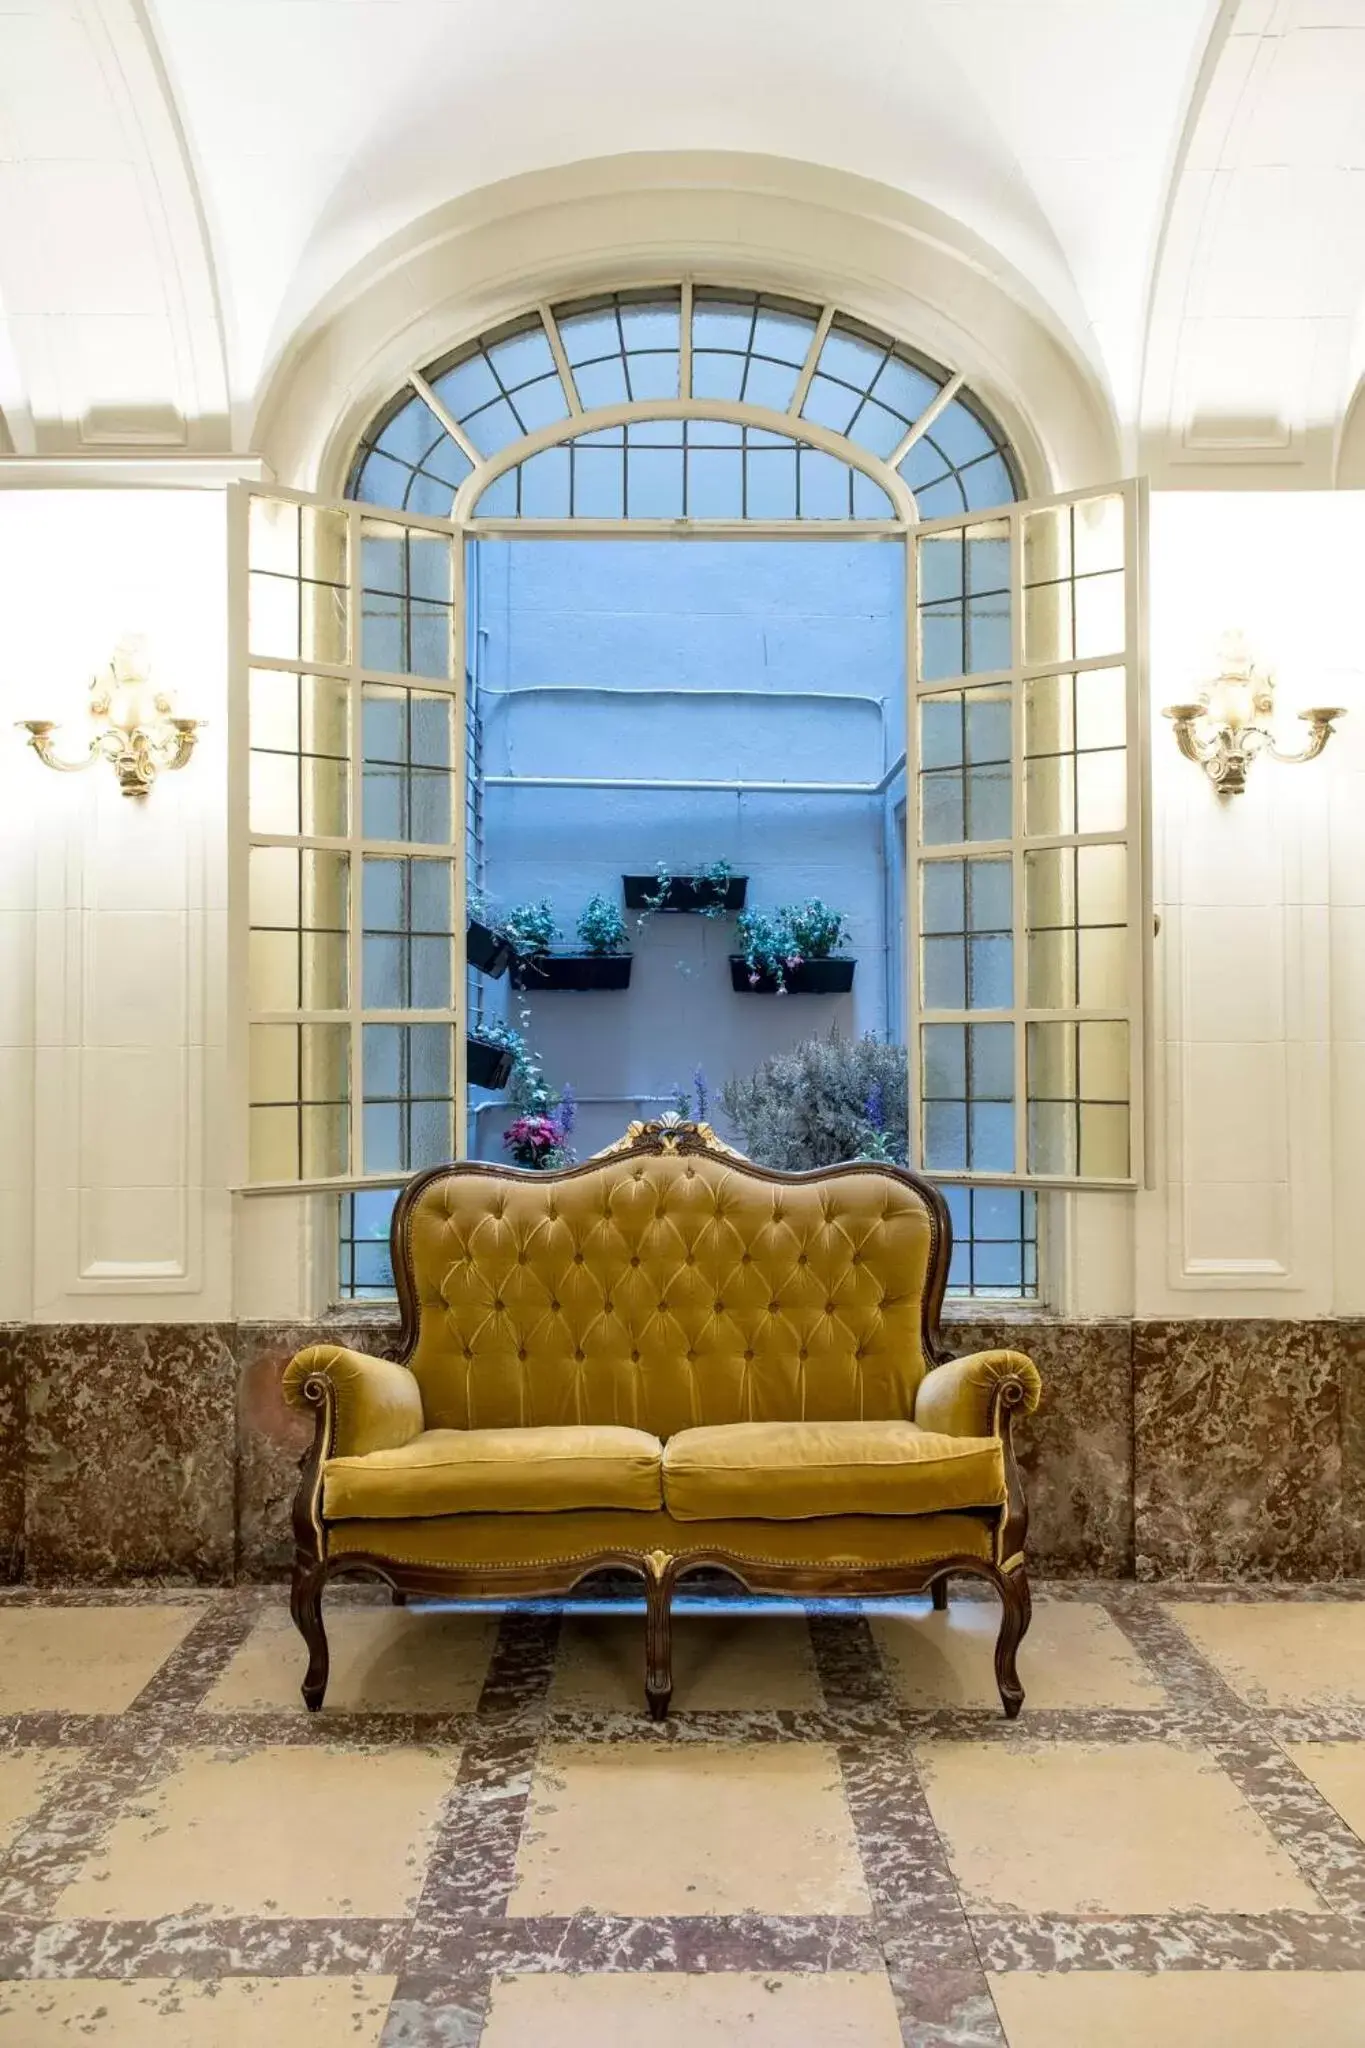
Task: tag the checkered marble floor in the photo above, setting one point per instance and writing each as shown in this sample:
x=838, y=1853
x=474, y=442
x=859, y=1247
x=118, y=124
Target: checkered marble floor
x=836, y=1840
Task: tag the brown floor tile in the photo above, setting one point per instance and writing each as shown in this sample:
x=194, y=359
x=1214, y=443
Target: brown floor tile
x=1138, y=1827
x=720, y=1662
x=1074, y=1655
x=655, y=1828
x=1182, y=2009
x=177, y=2012
x=1338, y=1771
x=85, y=1660
x=384, y=1660
x=1283, y=1653
x=840, y=2010
x=279, y=1832
x=26, y=1778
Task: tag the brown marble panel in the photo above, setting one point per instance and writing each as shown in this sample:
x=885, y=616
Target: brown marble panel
x=13, y=1374
x=1237, y=1449
x=271, y=1438
x=1076, y=1451
x=130, y=1435
x=1351, y=1337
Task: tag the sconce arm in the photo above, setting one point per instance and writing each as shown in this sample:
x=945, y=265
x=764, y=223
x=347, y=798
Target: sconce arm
x=1321, y=723
x=40, y=731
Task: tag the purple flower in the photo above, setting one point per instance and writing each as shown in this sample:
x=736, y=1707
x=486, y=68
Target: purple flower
x=568, y=1110
x=702, y=1094
x=874, y=1109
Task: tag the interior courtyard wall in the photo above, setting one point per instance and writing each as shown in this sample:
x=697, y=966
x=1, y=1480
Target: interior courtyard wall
x=742, y=660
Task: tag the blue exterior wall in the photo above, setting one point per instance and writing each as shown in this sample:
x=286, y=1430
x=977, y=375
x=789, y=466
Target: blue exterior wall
x=759, y=661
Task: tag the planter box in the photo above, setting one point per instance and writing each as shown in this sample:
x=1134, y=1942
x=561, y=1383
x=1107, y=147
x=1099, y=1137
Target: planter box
x=692, y=893
x=811, y=978
x=487, y=1065
x=580, y=972
x=491, y=952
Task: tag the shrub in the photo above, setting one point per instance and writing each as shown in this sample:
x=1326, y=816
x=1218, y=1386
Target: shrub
x=530, y=926
x=601, y=926
x=816, y=929
x=827, y=1100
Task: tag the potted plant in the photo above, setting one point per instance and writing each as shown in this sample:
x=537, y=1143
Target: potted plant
x=790, y=951
x=487, y=944
x=600, y=966
x=491, y=1053
x=712, y=891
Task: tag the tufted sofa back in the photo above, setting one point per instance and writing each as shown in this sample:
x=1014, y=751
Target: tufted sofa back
x=665, y=1290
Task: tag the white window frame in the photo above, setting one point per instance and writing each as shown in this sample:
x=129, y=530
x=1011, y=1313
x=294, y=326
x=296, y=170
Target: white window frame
x=465, y=524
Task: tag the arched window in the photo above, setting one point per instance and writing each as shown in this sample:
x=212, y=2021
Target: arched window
x=681, y=375
x=1013, y=785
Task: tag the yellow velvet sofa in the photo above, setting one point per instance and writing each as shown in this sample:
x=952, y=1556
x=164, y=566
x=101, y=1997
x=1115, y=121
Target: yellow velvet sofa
x=665, y=1359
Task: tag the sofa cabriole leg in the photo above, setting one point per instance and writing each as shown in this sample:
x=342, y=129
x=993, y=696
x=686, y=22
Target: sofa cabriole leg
x=305, y=1604
x=658, y=1635
x=1016, y=1612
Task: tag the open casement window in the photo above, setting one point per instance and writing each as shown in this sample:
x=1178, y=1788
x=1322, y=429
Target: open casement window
x=349, y=758
x=1029, y=902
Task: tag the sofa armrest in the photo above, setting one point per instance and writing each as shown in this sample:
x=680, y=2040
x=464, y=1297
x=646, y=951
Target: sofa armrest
x=375, y=1405
x=969, y=1396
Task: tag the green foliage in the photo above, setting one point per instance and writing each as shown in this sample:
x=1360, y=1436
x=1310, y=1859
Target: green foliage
x=530, y=926
x=717, y=872
x=601, y=926
x=827, y=1100
x=816, y=929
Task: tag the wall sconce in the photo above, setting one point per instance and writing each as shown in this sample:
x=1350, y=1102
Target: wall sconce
x=1228, y=726
x=137, y=731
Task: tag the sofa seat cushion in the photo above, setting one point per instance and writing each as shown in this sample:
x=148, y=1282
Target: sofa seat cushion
x=489, y=1471
x=781, y=1471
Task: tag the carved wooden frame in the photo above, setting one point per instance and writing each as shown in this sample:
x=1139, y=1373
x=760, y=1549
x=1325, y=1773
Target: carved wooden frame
x=659, y=1569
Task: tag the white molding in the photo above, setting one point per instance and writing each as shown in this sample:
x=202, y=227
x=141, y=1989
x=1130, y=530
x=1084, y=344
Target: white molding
x=138, y=472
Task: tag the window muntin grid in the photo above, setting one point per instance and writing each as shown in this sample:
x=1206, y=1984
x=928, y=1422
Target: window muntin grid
x=663, y=345
x=1028, y=1029
x=354, y=808
x=684, y=469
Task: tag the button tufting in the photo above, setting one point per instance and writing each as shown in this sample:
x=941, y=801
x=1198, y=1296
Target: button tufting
x=802, y=1352
x=554, y=1306
x=773, y=1307
x=720, y=1308
x=635, y=1260
x=663, y=1308
x=691, y=1173
x=498, y=1305
x=829, y=1308
x=802, y=1260
x=578, y=1354
x=522, y=1352
x=635, y=1356
x=606, y=1308
x=748, y=1354
x=691, y=1258
x=578, y=1258
x=745, y=1259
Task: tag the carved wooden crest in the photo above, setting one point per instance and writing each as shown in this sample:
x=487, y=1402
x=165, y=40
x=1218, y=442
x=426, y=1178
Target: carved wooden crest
x=670, y=1133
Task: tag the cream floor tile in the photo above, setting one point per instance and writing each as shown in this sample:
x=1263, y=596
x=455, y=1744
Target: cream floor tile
x=1338, y=1771
x=26, y=1778
x=279, y=1832
x=1182, y=2009
x=85, y=1660
x=674, y=1827
x=1138, y=1827
x=1280, y=1653
x=1074, y=1655
x=384, y=1660
x=720, y=1662
x=841, y=2010
x=178, y=2012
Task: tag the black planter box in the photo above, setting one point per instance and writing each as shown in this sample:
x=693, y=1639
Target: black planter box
x=581, y=972
x=491, y=952
x=811, y=978
x=686, y=893
x=487, y=1065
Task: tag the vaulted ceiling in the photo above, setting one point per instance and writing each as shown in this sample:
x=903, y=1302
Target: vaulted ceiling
x=184, y=182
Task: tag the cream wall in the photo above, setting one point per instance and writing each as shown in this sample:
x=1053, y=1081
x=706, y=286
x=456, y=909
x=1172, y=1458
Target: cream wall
x=114, y=1089
x=112, y=946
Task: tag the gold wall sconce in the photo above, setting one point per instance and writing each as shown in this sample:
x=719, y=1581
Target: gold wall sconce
x=136, y=729
x=1226, y=727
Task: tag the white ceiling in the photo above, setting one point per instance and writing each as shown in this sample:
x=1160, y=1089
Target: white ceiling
x=181, y=181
